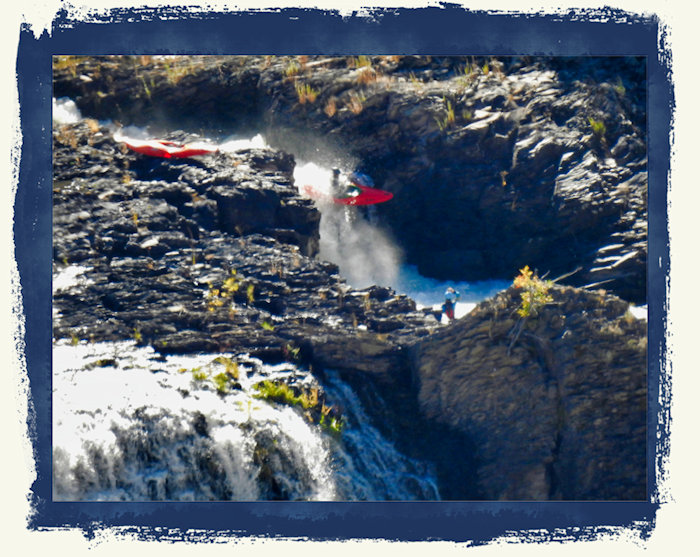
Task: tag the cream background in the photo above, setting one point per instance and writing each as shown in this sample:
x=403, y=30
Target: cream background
x=674, y=533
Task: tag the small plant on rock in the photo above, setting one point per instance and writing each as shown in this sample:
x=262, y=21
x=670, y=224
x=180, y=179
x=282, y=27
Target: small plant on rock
x=414, y=79
x=306, y=93
x=291, y=352
x=331, y=107
x=619, y=87
x=217, y=297
x=221, y=382
x=535, y=292
x=250, y=293
x=198, y=374
x=230, y=366
x=309, y=400
x=292, y=69
x=330, y=423
x=449, y=118
x=598, y=127
x=367, y=75
x=278, y=391
x=356, y=102
x=533, y=297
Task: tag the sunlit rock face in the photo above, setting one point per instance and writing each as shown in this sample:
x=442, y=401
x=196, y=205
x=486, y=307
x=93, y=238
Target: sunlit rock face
x=221, y=254
x=493, y=163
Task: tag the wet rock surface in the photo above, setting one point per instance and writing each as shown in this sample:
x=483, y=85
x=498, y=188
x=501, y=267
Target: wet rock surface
x=494, y=163
x=218, y=254
x=211, y=254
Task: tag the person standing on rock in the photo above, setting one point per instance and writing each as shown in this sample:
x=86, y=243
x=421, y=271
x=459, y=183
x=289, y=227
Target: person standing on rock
x=451, y=297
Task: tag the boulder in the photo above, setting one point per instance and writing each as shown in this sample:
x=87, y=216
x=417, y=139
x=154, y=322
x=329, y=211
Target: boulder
x=555, y=404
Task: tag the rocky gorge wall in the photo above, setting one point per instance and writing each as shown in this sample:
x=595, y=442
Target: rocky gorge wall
x=555, y=411
x=494, y=163
x=218, y=254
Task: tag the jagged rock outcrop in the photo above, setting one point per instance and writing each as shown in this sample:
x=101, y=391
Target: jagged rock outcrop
x=494, y=163
x=209, y=254
x=216, y=254
x=558, y=412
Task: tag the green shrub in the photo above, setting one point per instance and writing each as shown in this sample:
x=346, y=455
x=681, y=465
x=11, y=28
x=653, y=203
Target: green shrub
x=221, y=381
x=278, y=391
x=217, y=297
x=230, y=366
x=315, y=410
x=535, y=292
x=292, y=69
x=198, y=374
x=598, y=127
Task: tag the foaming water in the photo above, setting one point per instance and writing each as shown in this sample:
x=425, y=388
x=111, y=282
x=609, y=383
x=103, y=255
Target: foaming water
x=364, y=252
x=428, y=292
x=65, y=111
x=233, y=144
x=367, y=255
x=349, y=237
x=129, y=425
x=371, y=467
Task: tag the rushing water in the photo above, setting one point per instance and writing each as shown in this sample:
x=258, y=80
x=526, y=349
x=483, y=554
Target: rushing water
x=364, y=251
x=130, y=425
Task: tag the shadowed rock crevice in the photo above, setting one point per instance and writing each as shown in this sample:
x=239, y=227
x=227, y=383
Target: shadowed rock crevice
x=218, y=255
x=494, y=163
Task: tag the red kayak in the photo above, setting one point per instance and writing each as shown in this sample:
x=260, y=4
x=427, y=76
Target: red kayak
x=356, y=194
x=168, y=149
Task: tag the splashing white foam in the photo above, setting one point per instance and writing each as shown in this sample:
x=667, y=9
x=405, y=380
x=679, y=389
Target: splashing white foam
x=364, y=253
x=65, y=111
x=234, y=143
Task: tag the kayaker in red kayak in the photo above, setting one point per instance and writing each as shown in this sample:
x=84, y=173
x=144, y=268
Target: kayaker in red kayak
x=357, y=189
x=167, y=149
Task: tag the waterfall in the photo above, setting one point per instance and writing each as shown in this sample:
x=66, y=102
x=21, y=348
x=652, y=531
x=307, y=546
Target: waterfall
x=363, y=251
x=130, y=425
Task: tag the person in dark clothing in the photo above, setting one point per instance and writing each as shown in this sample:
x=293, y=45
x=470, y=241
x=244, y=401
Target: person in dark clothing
x=451, y=297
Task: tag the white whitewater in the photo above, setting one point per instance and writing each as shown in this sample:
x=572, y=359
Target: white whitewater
x=130, y=425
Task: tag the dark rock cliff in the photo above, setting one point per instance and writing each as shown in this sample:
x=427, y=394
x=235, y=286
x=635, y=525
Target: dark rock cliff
x=494, y=163
x=555, y=412
x=198, y=254
x=218, y=254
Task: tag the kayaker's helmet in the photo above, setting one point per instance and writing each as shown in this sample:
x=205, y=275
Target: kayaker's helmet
x=361, y=179
x=336, y=171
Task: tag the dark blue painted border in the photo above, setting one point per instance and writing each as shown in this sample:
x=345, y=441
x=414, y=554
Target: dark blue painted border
x=446, y=30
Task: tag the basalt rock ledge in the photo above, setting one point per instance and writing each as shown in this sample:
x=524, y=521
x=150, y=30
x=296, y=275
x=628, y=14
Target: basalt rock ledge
x=494, y=163
x=219, y=255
